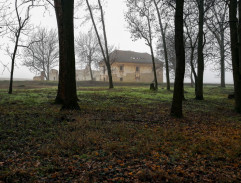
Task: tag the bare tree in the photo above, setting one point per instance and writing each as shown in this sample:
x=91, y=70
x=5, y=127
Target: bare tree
x=217, y=24
x=88, y=50
x=104, y=49
x=203, y=7
x=191, y=39
x=17, y=26
x=176, y=109
x=42, y=53
x=140, y=20
x=199, y=89
x=162, y=11
x=67, y=93
x=191, y=49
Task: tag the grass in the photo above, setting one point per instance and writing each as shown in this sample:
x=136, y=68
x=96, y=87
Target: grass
x=120, y=135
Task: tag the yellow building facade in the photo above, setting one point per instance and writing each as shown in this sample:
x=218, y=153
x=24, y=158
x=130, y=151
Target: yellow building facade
x=128, y=66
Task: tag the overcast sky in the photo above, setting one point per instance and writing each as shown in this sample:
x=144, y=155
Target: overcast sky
x=117, y=33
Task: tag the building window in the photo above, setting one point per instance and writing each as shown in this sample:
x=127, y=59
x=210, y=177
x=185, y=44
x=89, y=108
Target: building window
x=121, y=79
x=137, y=69
x=54, y=78
x=121, y=67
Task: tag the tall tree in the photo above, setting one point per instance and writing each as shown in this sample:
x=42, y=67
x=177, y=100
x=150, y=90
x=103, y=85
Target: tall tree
x=140, y=20
x=104, y=49
x=200, y=69
x=176, y=109
x=235, y=30
x=191, y=39
x=88, y=50
x=42, y=53
x=16, y=26
x=191, y=45
x=216, y=23
x=203, y=7
x=163, y=28
x=106, y=44
x=67, y=94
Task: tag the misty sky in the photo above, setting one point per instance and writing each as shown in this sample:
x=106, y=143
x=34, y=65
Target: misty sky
x=117, y=33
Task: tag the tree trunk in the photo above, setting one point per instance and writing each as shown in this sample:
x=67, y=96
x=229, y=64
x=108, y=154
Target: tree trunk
x=164, y=45
x=222, y=61
x=48, y=70
x=238, y=69
x=10, y=91
x=199, y=92
x=151, y=49
x=67, y=94
x=192, y=81
x=193, y=69
x=176, y=109
x=106, y=47
x=91, y=73
x=154, y=67
x=235, y=50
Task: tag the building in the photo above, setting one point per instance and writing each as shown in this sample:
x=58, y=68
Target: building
x=126, y=66
x=129, y=66
x=39, y=78
x=84, y=75
x=81, y=75
x=53, y=75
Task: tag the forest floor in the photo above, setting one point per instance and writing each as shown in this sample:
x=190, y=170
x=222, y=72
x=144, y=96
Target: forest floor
x=121, y=135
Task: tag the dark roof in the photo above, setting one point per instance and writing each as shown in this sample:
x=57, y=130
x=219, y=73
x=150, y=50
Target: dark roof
x=131, y=57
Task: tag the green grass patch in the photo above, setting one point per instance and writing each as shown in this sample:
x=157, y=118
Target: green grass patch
x=120, y=135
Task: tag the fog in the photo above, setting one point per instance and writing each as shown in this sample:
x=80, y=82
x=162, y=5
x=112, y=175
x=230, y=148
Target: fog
x=117, y=33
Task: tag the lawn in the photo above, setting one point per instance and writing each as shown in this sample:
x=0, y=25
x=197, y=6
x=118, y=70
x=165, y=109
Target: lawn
x=121, y=135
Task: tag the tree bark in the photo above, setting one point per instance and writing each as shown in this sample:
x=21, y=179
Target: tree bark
x=10, y=91
x=176, y=109
x=47, y=70
x=106, y=47
x=235, y=51
x=199, y=91
x=193, y=68
x=164, y=45
x=192, y=81
x=222, y=61
x=154, y=67
x=67, y=94
x=90, y=69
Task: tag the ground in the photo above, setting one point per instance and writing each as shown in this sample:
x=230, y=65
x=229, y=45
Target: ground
x=121, y=135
